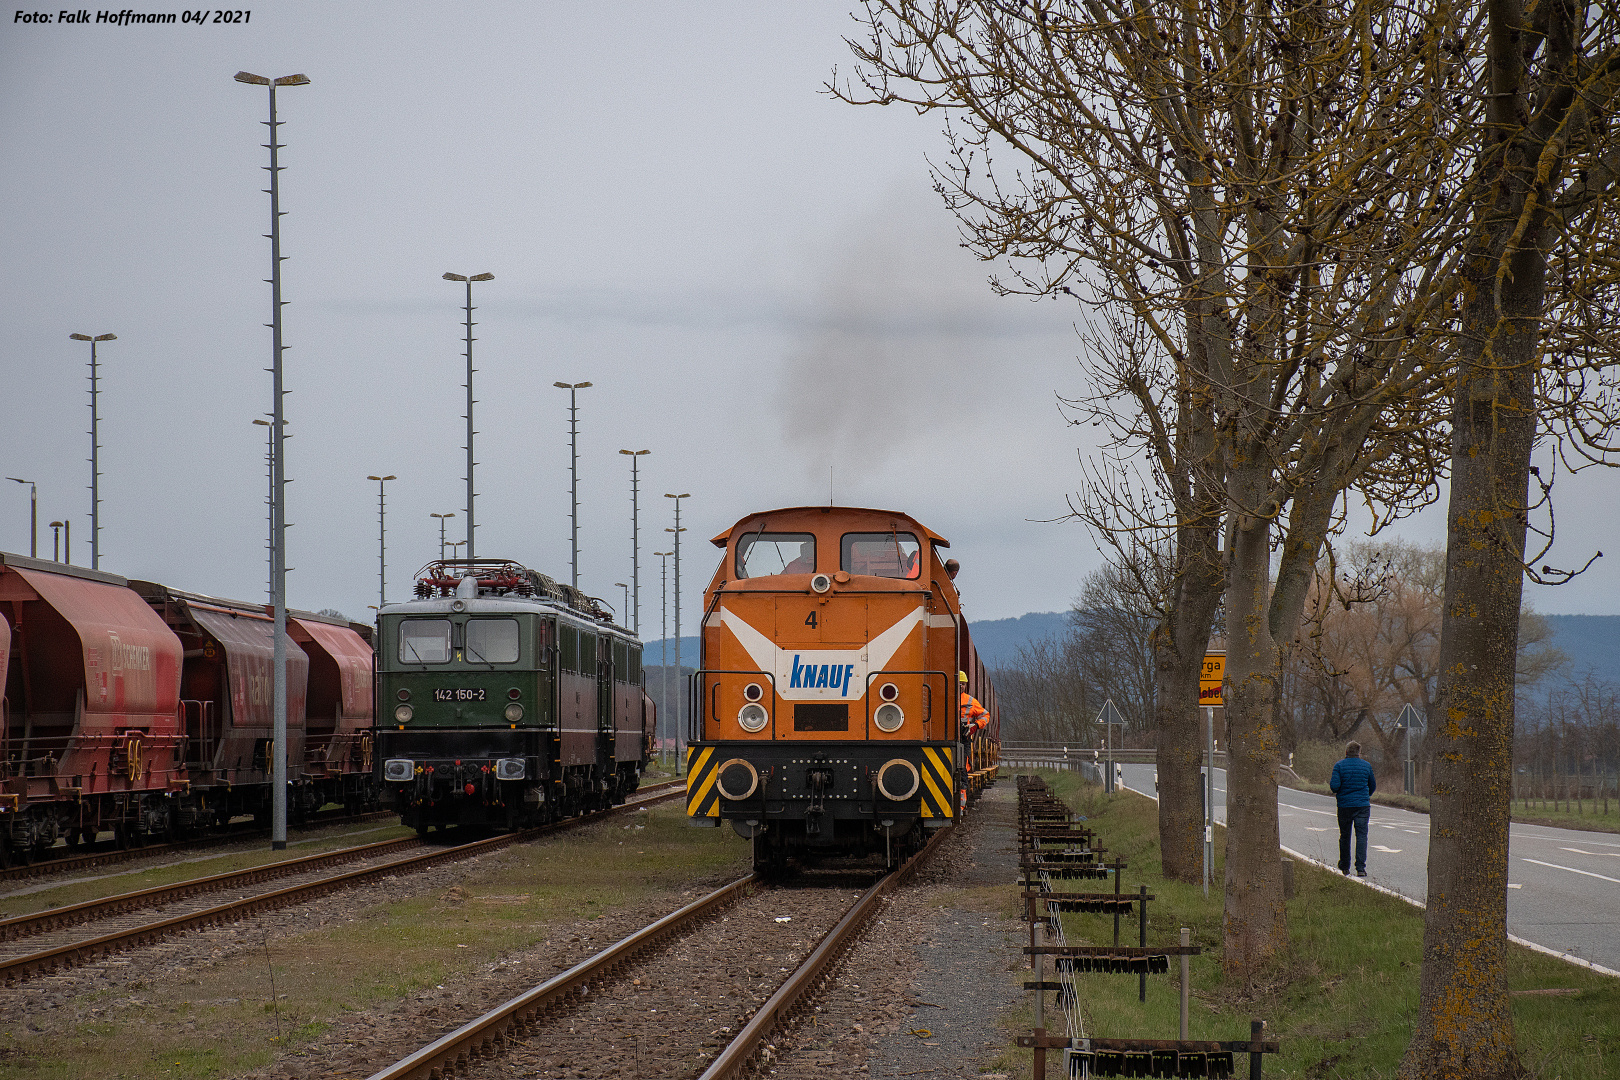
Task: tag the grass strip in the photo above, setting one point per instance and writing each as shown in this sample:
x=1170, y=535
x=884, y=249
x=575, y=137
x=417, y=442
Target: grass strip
x=221, y=1018
x=1343, y=1003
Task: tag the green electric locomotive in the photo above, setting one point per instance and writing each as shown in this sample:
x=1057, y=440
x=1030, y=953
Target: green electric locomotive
x=506, y=699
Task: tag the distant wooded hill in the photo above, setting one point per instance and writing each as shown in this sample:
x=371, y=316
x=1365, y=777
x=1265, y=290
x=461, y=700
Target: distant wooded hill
x=1592, y=642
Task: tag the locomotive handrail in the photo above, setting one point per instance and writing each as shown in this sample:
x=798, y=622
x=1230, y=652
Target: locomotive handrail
x=697, y=720
x=925, y=672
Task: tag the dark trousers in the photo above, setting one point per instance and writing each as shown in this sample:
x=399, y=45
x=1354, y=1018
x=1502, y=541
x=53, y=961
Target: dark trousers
x=1357, y=816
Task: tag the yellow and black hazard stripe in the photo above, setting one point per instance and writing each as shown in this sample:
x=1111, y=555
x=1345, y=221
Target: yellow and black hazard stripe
x=702, y=770
x=938, y=790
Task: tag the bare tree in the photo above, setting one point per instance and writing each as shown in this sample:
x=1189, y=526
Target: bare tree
x=1261, y=191
x=1543, y=181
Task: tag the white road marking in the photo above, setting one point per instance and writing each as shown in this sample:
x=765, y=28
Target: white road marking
x=1309, y=809
x=1571, y=869
x=1386, y=850
x=1313, y=828
x=1578, y=851
x=1514, y=885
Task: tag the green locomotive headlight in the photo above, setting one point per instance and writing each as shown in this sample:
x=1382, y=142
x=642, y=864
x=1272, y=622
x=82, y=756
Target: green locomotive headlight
x=403, y=713
x=514, y=713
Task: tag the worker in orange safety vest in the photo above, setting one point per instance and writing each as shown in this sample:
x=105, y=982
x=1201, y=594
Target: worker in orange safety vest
x=974, y=715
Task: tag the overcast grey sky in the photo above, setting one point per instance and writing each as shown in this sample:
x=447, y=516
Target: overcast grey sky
x=759, y=282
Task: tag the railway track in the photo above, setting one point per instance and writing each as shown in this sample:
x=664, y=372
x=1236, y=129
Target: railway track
x=67, y=860
x=59, y=938
x=596, y=1034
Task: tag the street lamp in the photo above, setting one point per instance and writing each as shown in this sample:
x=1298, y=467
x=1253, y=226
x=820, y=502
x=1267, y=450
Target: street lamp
x=635, y=534
x=442, y=519
x=270, y=504
x=573, y=471
x=626, y=588
x=57, y=528
x=469, y=448
x=382, y=534
x=95, y=469
x=33, y=516
x=278, y=477
x=677, y=530
x=454, y=545
x=663, y=639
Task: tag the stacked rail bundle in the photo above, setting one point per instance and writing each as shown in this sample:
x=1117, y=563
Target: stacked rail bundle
x=1053, y=845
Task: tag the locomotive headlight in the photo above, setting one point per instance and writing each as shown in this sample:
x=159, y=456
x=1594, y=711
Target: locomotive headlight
x=513, y=713
x=888, y=717
x=821, y=583
x=403, y=713
x=509, y=768
x=404, y=694
x=753, y=691
x=752, y=717
x=888, y=691
x=398, y=769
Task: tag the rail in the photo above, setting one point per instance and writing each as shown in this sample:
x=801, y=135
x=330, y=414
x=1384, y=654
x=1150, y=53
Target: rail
x=27, y=965
x=477, y=1037
x=735, y=1057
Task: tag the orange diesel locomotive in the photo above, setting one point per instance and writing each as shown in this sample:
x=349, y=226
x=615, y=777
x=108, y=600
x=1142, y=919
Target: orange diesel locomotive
x=827, y=713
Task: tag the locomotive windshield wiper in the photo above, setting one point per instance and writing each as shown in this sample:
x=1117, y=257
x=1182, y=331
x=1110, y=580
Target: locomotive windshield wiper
x=472, y=652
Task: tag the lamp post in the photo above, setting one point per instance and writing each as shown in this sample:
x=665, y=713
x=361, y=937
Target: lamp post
x=470, y=493
x=95, y=448
x=382, y=535
x=635, y=535
x=270, y=506
x=626, y=588
x=442, y=519
x=663, y=638
x=573, y=472
x=278, y=478
x=33, y=516
x=453, y=545
x=677, y=530
x=57, y=528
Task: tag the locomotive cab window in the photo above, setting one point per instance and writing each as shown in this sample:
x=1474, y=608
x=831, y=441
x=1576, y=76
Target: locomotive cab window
x=765, y=554
x=424, y=641
x=888, y=554
x=492, y=641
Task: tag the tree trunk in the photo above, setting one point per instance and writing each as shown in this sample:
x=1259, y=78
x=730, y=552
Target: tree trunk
x=1465, y=1019
x=1465, y=1022
x=1255, y=924
x=1178, y=654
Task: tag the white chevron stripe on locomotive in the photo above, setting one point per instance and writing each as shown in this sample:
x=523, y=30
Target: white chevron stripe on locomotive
x=820, y=674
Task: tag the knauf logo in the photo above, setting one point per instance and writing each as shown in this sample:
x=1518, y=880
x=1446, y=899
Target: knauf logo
x=820, y=676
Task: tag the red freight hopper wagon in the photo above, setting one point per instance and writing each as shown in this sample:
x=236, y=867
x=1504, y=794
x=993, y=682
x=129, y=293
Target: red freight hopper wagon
x=226, y=697
x=338, y=704
x=89, y=732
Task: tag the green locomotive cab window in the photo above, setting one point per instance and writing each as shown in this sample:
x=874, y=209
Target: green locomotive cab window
x=890, y=554
x=424, y=641
x=765, y=554
x=492, y=641
x=568, y=637
x=621, y=662
x=633, y=677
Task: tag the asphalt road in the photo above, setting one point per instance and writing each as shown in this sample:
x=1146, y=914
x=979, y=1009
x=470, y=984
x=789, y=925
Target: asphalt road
x=1563, y=884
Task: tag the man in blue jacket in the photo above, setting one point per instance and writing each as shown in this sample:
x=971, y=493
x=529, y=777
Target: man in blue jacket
x=1353, y=782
